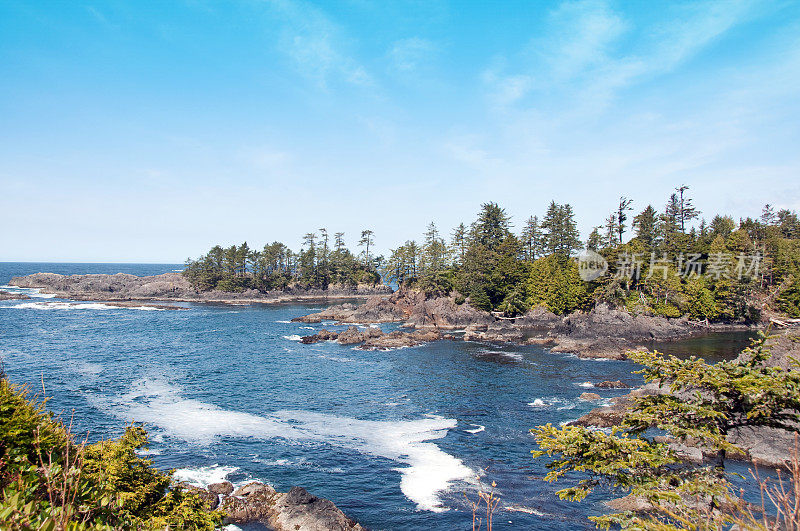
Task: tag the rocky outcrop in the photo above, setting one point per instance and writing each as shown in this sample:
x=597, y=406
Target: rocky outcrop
x=398, y=339
x=353, y=335
x=607, y=384
x=257, y=503
x=7, y=296
x=224, y=487
x=300, y=510
x=173, y=286
x=603, y=332
x=589, y=396
x=763, y=445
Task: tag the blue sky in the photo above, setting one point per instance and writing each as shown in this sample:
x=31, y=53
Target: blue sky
x=148, y=131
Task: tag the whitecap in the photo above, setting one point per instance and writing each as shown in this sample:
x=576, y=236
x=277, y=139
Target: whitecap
x=284, y=322
x=478, y=428
x=30, y=292
x=203, y=476
x=76, y=306
x=523, y=509
x=425, y=469
x=144, y=452
x=293, y=337
x=560, y=404
x=586, y=384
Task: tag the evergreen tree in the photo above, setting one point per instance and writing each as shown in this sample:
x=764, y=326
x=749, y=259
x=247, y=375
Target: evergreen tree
x=686, y=211
x=532, y=239
x=622, y=216
x=367, y=239
x=646, y=226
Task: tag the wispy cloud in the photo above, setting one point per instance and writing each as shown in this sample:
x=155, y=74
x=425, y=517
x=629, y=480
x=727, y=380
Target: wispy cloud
x=411, y=54
x=318, y=46
x=590, y=52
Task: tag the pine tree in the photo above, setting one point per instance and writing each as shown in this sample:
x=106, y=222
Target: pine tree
x=622, y=216
x=646, y=226
x=532, y=237
x=686, y=211
x=367, y=239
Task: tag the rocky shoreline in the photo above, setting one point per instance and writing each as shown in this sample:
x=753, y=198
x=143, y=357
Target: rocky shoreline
x=173, y=287
x=764, y=446
x=258, y=503
x=603, y=332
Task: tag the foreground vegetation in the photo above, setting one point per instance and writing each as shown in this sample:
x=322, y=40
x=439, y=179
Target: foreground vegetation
x=666, y=262
x=705, y=404
x=49, y=481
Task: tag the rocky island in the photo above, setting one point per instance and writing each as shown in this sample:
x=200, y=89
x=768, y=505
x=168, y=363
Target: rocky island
x=602, y=332
x=176, y=288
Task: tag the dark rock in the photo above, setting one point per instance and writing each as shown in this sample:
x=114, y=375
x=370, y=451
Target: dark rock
x=300, y=510
x=211, y=500
x=398, y=339
x=353, y=335
x=7, y=296
x=322, y=335
x=249, y=504
x=254, y=487
x=607, y=384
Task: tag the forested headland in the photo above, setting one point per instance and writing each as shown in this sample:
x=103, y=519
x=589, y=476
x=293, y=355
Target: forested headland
x=669, y=261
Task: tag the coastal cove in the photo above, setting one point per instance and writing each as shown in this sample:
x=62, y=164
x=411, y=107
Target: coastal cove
x=393, y=437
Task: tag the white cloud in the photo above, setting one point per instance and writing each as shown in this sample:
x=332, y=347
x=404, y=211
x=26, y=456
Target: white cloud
x=317, y=45
x=410, y=55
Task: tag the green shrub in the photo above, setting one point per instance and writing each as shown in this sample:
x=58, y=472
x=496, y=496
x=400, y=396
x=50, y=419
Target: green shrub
x=49, y=481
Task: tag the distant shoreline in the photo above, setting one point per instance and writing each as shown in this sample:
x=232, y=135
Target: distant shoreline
x=173, y=287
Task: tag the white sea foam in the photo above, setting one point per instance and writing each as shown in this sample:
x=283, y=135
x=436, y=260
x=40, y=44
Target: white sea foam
x=203, y=476
x=76, y=306
x=523, y=509
x=307, y=327
x=284, y=322
x=144, y=452
x=293, y=337
x=560, y=404
x=88, y=369
x=30, y=292
x=425, y=469
x=586, y=384
x=478, y=428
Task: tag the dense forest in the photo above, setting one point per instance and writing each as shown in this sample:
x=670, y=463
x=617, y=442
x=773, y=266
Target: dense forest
x=320, y=263
x=668, y=261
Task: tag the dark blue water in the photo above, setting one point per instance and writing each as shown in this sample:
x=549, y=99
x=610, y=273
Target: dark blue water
x=394, y=438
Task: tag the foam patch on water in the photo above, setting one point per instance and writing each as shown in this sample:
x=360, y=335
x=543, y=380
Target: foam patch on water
x=284, y=322
x=76, y=306
x=586, y=385
x=203, y=476
x=293, y=337
x=30, y=292
x=478, y=428
x=560, y=404
x=523, y=509
x=425, y=472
